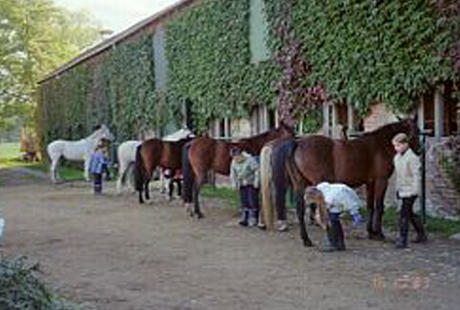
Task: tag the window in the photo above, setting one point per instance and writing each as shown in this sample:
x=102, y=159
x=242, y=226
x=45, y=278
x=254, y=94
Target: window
x=258, y=32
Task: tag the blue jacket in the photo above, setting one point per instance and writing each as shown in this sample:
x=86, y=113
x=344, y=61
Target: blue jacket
x=97, y=162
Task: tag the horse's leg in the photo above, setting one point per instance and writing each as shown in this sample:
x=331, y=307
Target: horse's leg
x=380, y=189
x=141, y=200
x=370, y=209
x=196, y=195
x=146, y=189
x=121, y=176
x=54, y=163
x=87, y=159
x=300, y=205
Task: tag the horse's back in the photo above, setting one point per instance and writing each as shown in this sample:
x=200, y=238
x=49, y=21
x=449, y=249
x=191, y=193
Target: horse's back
x=127, y=151
x=55, y=149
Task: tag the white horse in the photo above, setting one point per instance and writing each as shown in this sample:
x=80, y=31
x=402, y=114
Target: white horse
x=76, y=150
x=127, y=156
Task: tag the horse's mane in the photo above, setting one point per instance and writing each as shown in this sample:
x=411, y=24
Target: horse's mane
x=388, y=130
x=262, y=135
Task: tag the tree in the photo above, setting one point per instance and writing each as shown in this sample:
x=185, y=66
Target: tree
x=36, y=37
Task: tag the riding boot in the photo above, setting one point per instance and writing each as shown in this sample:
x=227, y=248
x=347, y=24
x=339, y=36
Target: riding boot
x=329, y=240
x=404, y=223
x=252, y=218
x=244, y=217
x=403, y=232
x=340, y=236
x=419, y=229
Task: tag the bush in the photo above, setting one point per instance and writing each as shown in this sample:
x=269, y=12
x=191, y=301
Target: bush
x=21, y=288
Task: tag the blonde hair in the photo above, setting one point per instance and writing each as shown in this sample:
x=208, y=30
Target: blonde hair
x=314, y=195
x=400, y=138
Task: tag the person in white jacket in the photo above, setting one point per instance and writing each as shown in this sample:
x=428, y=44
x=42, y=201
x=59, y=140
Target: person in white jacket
x=331, y=200
x=407, y=169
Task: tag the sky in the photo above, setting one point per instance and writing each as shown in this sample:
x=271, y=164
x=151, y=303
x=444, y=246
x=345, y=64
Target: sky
x=117, y=15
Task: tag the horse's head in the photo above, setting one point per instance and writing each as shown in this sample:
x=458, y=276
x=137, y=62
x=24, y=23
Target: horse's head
x=284, y=130
x=410, y=127
x=105, y=133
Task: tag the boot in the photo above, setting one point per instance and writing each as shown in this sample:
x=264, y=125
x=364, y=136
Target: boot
x=403, y=231
x=252, y=218
x=244, y=217
x=340, y=236
x=329, y=240
x=419, y=229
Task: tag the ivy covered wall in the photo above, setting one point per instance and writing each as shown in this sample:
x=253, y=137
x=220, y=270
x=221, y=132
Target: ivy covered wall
x=358, y=51
x=364, y=51
x=118, y=90
x=209, y=62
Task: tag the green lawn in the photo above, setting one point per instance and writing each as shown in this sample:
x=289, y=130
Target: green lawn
x=10, y=157
x=9, y=150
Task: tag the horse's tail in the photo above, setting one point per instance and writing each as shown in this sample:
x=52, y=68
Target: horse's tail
x=139, y=171
x=187, y=175
x=281, y=154
x=266, y=173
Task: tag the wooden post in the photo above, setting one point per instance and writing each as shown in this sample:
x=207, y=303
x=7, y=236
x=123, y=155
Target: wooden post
x=226, y=127
x=335, y=121
x=217, y=132
x=264, y=118
x=326, y=119
x=421, y=114
x=438, y=114
x=350, y=119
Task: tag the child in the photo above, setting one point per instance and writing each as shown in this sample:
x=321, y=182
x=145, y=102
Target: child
x=96, y=166
x=245, y=175
x=331, y=200
x=407, y=169
x=173, y=177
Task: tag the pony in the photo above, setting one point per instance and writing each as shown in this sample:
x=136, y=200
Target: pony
x=204, y=154
x=76, y=150
x=366, y=160
x=155, y=153
x=126, y=154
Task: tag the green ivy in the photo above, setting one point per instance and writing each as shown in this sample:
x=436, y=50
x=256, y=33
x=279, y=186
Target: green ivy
x=363, y=51
x=209, y=63
x=118, y=91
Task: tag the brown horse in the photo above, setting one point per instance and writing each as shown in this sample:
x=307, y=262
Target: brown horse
x=155, y=153
x=204, y=154
x=366, y=160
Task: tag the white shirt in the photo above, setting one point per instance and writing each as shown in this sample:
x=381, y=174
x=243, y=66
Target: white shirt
x=340, y=197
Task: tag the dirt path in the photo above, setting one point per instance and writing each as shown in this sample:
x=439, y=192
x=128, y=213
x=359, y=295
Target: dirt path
x=112, y=254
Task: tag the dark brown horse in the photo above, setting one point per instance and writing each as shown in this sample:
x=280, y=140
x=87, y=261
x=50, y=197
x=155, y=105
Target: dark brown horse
x=204, y=154
x=155, y=153
x=366, y=160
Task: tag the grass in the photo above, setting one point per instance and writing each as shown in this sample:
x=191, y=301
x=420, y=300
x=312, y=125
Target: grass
x=10, y=157
x=9, y=150
x=225, y=193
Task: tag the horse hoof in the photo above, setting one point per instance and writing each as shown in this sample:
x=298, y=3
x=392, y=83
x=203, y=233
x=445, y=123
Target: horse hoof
x=307, y=243
x=376, y=237
x=200, y=215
